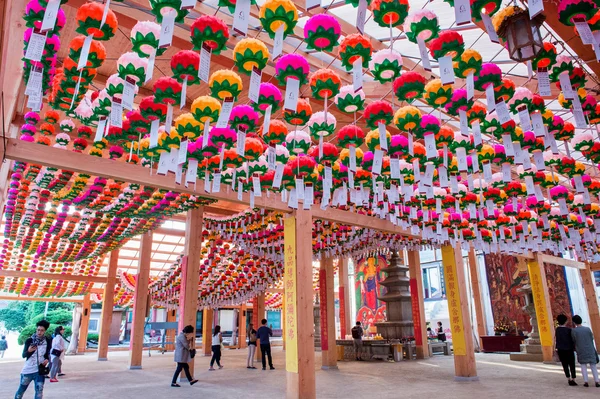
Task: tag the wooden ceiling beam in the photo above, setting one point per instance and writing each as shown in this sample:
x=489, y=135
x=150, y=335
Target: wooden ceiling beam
x=52, y=276
x=39, y=299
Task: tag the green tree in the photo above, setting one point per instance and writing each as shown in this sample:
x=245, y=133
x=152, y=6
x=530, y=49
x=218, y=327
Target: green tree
x=59, y=317
x=30, y=330
x=14, y=320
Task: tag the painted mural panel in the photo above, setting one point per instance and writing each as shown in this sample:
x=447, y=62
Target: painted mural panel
x=370, y=309
x=506, y=276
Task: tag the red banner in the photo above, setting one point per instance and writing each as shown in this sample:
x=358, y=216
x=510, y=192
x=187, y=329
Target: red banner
x=323, y=305
x=342, y=295
x=415, y=311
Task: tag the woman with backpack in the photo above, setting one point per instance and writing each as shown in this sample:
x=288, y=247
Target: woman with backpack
x=251, y=346
x=217, y=339
x=57, y=352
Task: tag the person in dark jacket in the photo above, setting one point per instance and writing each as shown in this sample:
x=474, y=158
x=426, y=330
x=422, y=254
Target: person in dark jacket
x=36, y=352
x=441, y=335
x=263, y=335
x=586, y=351
x=3, y=346
x=183, y=344
x=565, y=348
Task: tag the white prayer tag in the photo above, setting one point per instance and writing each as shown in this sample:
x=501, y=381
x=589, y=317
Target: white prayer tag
x=474, y=162
x=192, y=171
x=543, y=81
x=357, y=73
x=383, y=140
x=477, y=139
x=183, y=152
x=487, y=172
x=205, y=134
x=278, y=42
x=207, y=185
x=443, y=176
x=529, y=69
x=579, y=184
x=35, y=82
x=241, y=143
x=411, y=144
x=240, y=192
x=100, y=130
x=154, y=133
x=490, y=98
x=150, y=66
x=506, y=176
x=178, y=174
x=416, y=170
x=538, y=124
x=361, y=16
x=240, y=17
x=428, y=176
x=489, y=27
x=350, y=179
x=538, y=158
x=580, y=121
x=395, y=168
x=187, y=4
x=204, y=69
x=267, y=120
x=300, y=188
x=352, y=160
x=430, y=146
x=446, y=70
x=293, y=200
x=524, y=118
x=518, y=153
x=462, y=11
x=216, y=185
x=502, y=111
x=583, y=28
x=292, y=89
x=271, y=157
x=565, y=86
x=529, y=185
x=278, y=175
x=377, y=162
x=464, y=123
x=470, y=86
x=256, y=186
x=461, y=157
x=327, y=181
x=35, y=47
x=163, y=163
x=166, y=29
x=128, y=93
x=225, y=113
x=424, y=54
x=105, y=13
x=116, y=113
x=50, y=15
x=255, y=78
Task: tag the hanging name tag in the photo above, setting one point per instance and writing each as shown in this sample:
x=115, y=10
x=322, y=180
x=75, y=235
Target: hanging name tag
x=35, y=82
x=490, y=98
x=502, y=111
x=352, y=160
x=524, y=118
x=477, y=139
x=585, y=33
x=430, y=148
x=538, y=158
x=35, y=47
x=361, y=16
x=154, y=133
x=580, y=121
x=443, y=176
x=464, y=123
x=446, y=70
x=487, y=172
x=383, y=140
x=395, y=168
x=470, y=86
x=377, y=162
x=178, y=174
x=34, y=102
x=328, y=180
x=292, y=89
x=543, y=82
x=278, y=42
x=267, y=120
x=128, y=93
x=105, y=13
x=428, y=176
x=411, y=144
x=204, y=69
x=489, y=27
x=205, y=134
x=538, y=194
x=506, y=177
x=50, y=15
x=226, y=108
x=163, y=163
x=207, y=185
x=255, y=78
x=424, y=54
x=565, y=86
x=462, y=12
x=271, y=157
x=256, y=186
x=187, y=4
x=535, y=7
x=116, y=113
x=216, y=184
x=538, y=124
x=183, y=152
x=461, y=157
x=357, y=74
x=278, y=175
x=100, y=130
x=350, y=179
x=241, y=143
x=166, y=29
x=240, y=17
x=192, y=171
x=518, y=153
x=150, y=66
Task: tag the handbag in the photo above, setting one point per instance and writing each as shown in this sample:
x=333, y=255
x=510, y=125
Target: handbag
x=192, y=353
x=43, y=369
x=56, y=352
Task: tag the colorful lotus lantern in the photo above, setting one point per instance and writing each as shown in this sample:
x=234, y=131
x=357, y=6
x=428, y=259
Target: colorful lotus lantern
x=354, y=46
x=546, y=58
x=436, y=94
x=321, y=32
x=330, y=153
x=409, y=86
x=298, y=141
x=469, y=62
x=145, y=37
x=96, y=52
x=522, y=96
x=152, y=110
x=292, y=66
x=372, y=140
x=407, y=118
x=389, y=12
x=187, y=126
x=167, y=91
x=444, y=137
x=185, y=64
x=268, y=95
x=378, y=112
x=243, y=117
x=131, y=65
x=301, y=115
x=490, y=74
x=275, y=14
x=225, y=83
x=325, y=83
x=321, y=124
x=250, y=53
x=348, y=100
x=211, y=31
x=422, y=24
x=563, y=64
x=449, y=43
x=276, y=133
x=386, y=65
x=223, y=137
x=350, y=135
x=34, y=15
x=89, y=21
x=206, y=109
x=571, y=10
x=582, y=141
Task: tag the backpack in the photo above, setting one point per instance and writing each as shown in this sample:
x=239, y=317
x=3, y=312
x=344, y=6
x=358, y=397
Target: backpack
x=356, y=332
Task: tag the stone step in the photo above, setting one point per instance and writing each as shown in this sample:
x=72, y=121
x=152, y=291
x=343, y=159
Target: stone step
x=526, y=357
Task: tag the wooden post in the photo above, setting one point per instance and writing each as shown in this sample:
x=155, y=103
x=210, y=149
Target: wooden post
x=418, y=304
x=300, y=353
x=108, y=303
x=207, y=322
x=85, y=324
x=172, y=332
x=343, y=295
x=477, y=298
x=458, y=307
x=140, y=303
x=327, y=303
x=188, y=297
x=541, y=301
x=260, y=314
x=242, y=327
x=589, y=287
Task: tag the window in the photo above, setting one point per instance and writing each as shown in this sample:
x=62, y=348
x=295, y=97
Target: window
x=433, y=287
x=93, y=327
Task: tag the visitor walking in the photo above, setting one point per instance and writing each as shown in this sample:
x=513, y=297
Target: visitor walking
x=357, y=334
x=251, y=346
x=184, y=352
x=3, y=346
x=263, y=335
x=217, y=339
x=57, y=353
x=565, y=348
x=36, y=352
x=441, y=335
x=586, y=352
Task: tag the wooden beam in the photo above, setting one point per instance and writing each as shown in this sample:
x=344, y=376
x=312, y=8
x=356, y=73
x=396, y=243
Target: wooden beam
x=360, y=220
x=207, y=323
x=589, y=288
x=326, y=294
x=52, y=276
x=242, y=327
x=478, y=302
x=108, y=303
x=555, y=260
x=418, y=303
x=86, y=312
x=171, y=333
x=140, y=304
x=39, y=299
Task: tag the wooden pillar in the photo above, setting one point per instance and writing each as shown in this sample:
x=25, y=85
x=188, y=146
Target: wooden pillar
x=327, y=304
x=242, y=327
x=260, y=314
x=541, y=301
x=458, y=308
x=85, y=324
x=171, y=333
x=477, y=298
x=344, y=297
x=108, y=303
x=207, y=322
x=140, y=303
x=188, y=297
x=418, y=304
x=589, y=287
x=300, y=352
